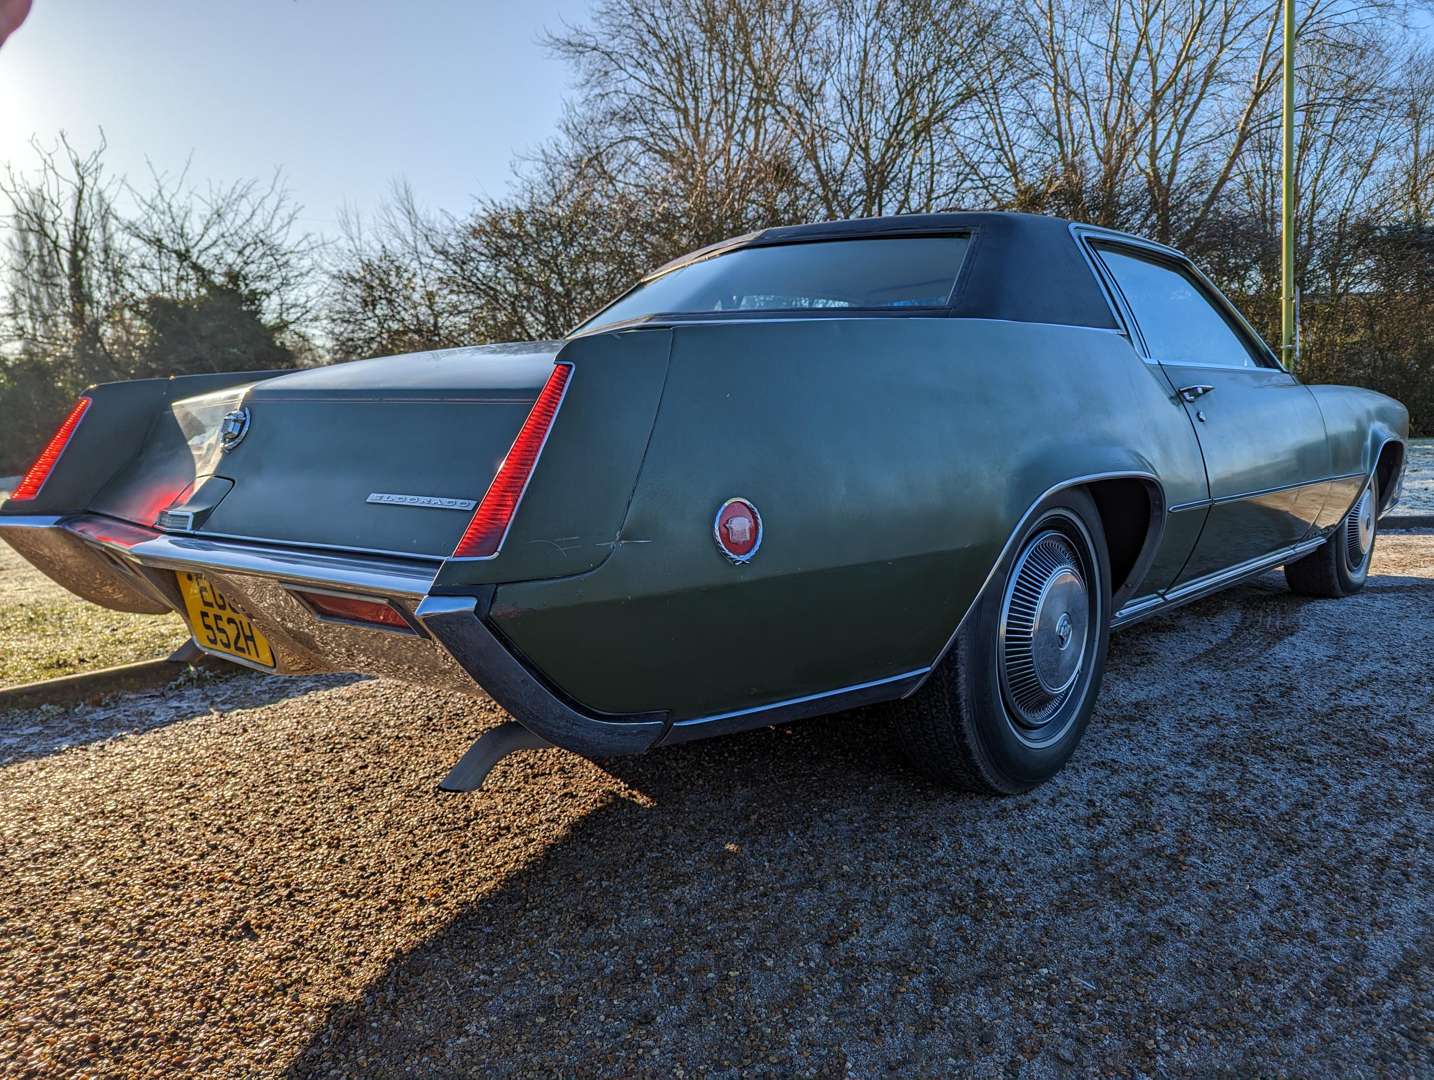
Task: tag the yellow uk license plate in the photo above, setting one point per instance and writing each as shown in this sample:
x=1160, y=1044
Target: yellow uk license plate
x=218, y=626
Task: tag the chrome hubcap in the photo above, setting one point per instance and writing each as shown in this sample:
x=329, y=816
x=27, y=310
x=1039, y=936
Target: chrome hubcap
x=1045, y=622
x=1359, y=530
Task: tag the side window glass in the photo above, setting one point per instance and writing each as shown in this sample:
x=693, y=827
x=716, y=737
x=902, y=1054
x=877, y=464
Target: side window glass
x=1179, y=324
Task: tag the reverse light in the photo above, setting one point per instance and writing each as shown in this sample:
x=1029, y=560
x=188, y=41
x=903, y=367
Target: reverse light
x=31, y=483
x=485, y=533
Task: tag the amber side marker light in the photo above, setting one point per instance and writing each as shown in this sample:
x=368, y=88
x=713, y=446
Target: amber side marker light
x=31, y=483
x=485, y=533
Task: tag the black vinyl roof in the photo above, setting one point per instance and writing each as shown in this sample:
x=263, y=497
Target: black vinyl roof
x=1022, y=267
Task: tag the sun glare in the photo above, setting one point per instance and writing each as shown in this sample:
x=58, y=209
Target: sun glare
x=18, y=104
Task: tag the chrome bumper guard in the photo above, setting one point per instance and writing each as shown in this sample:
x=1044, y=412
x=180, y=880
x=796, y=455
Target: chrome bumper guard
x=124, y=566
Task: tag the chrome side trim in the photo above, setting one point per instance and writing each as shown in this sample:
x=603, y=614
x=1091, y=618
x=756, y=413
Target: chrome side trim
x=1016, y=532
x=36, y=521
x=1196, y=504
x=1367, y=476
x=1368, y=480
x=1221, y=578
x=1226, y=499
x=1212, y=583
x=1137, y=609
x=828, y=701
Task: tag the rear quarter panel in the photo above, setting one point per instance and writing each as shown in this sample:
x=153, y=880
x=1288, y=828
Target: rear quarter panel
x=1357, y=423
x=890, y=458
x=570, y=520
x=112, y=434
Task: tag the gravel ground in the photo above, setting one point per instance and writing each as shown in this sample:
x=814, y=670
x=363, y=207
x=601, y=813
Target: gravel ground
x=1232, y=878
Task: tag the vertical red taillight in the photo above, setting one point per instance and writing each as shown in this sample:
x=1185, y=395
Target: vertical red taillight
x=484, y=535
x=31, y=483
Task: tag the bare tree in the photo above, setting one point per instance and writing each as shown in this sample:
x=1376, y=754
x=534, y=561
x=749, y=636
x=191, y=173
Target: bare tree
x=104, y=280
x=875, y=94
x=66, y=266
x=1409, y=190
x=241, y=237
x=672, y=113
x=390, y=289
x=536, y=265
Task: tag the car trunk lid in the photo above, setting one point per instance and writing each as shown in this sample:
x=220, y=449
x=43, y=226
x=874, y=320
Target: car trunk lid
x=388, y=455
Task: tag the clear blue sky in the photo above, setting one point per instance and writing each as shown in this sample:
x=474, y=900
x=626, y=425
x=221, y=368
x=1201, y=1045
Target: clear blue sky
x=344, y=95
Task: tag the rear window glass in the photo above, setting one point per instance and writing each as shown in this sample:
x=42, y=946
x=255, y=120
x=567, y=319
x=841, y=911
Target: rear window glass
x=904, y=272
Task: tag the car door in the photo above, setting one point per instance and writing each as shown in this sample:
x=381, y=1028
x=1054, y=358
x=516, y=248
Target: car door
x=1260, y=430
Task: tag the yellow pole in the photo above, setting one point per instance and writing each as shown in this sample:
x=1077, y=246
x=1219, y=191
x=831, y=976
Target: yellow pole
x=1287, y=200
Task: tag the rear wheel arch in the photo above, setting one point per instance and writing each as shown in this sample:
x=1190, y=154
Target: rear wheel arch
x=1132, y=515
x=1127, y=500
x=1388, y=462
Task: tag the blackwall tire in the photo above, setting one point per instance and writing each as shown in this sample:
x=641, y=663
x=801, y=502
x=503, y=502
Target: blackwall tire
x=1340, y=566
x=1006, y=707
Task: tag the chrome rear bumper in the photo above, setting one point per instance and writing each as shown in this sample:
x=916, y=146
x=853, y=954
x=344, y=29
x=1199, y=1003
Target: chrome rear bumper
x=129, y=568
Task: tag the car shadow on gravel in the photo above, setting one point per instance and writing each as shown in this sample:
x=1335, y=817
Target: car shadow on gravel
x=1230, y=877
x=733, y=891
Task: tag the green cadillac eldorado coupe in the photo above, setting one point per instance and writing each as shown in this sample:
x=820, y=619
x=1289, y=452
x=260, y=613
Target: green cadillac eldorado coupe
x=926, y=460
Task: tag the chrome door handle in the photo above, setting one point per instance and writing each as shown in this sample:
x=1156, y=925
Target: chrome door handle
x=1194, y=393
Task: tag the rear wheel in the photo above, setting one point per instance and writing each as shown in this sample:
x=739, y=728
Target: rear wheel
x=1006, y=706
x=1340, y=566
